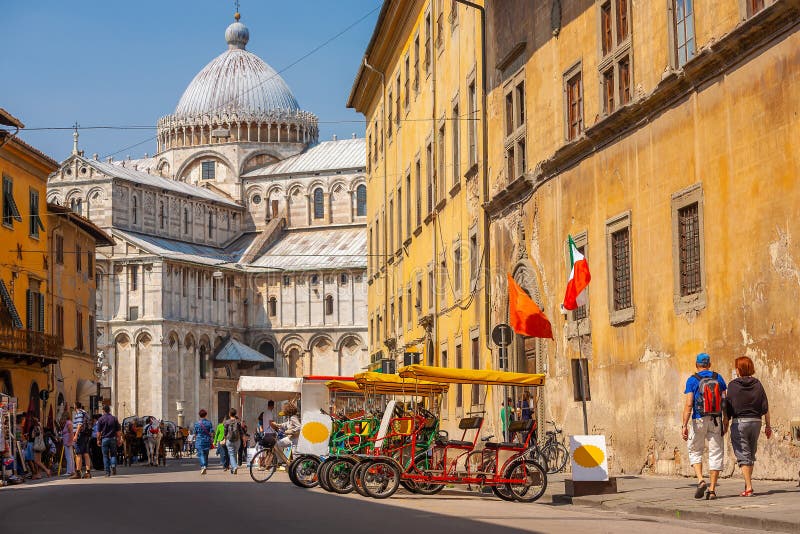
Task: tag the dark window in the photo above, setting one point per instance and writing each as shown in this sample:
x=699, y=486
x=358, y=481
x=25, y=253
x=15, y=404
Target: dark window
x=416, y=63
x=319, y=204
x=59, y=249
x=428, y=39
x=399, y=206
x=622, y=20
x=60, y=323
x=389, y=120
x=408, y=206
x=689, y=228
x=683, y=11
x=608, y=90
x=214, y=289
x=621, y=266
x=78, y=258
x=473, y=257
x=472, y=123
x=509, y=113
x=90, y=263
x=456, y=127
x=287, y=281
x=430, y=176
x=390, y=227
x=133, y=313
x=210, y=224
x=273, y=306
x=79, y=331
x=185, y=220
x=203, y=361
x=519, y=95
x=208, y=170
x=605, y=28
x=407, y=84
x=199, y=285
x=459, y=387
x=329, y=305
x=624, y=81
x=135, y=207
x=361, y=200
x=184, y=282
x=10, y=210
x=229, y=289
x=418, y=178
x=440, y=173
x=92, y=336
x=457, y=268
x=35, y=223
x=269, y=351
x=161, y=215
x=134, y=274
x=574, y=107
x=344, y=279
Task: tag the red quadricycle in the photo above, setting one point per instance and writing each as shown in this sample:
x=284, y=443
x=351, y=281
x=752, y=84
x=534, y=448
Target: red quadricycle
x=505, y=467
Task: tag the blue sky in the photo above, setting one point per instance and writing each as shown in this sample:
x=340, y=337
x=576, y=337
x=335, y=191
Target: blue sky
x=127, y=63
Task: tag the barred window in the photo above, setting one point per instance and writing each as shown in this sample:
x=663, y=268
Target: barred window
x=319, y=206
x=621, y=266
x=689, y=237
x=361, y=201
x=208, y=170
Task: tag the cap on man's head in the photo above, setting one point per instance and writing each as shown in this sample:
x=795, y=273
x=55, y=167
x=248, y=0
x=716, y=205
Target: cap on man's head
x=703, y=359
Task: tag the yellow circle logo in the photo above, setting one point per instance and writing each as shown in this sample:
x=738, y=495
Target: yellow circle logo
x=588, y=456
x=315, y=432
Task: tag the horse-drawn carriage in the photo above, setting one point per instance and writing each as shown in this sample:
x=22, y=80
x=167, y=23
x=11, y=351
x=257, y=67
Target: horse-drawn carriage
x=151, y=446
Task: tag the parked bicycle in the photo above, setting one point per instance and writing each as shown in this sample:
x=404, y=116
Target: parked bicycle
x=552, y=454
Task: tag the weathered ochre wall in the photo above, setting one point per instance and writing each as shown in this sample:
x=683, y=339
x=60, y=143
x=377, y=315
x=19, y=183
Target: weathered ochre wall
x=737, y=136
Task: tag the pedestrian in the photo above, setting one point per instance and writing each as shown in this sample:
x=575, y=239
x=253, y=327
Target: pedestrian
x=233, y=439
x=525, y=406
x=82, y=435
x=703, y=423
x=37, y=441
x=67, y=443
x=202, y=439
x=109, y=437
x=745, y=405
x=506, y=416
x=291, y=431
x=243, y=445
x=219, y=443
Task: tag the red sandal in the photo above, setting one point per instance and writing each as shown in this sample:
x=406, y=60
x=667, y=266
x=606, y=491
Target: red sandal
x=746, y=493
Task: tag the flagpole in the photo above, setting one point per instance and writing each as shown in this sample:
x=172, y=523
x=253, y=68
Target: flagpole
x=583, y=390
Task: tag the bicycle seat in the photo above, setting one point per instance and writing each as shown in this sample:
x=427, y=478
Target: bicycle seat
x=503, y=445
x=458, y=443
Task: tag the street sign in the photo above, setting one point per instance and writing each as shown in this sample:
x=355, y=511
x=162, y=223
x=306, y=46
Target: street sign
x=502, y=335
x=44, y=395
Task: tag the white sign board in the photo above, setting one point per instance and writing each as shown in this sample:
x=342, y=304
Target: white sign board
x=314, y=434
x=589, y=458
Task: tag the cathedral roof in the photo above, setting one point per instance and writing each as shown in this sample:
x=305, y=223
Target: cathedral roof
x=235, y=351
x=322, y=248
x=325, y=156
x=182, y=251
x=236, y=81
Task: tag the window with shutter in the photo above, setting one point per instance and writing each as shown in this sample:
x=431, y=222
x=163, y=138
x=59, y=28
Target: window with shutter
x=40, y=325
x=29, y=301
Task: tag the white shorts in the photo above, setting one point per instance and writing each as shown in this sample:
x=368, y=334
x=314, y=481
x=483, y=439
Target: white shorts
x=702, y=431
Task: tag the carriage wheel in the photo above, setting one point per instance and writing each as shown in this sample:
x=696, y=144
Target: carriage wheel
x=338, y=475
x=356, y=480
x=263, y=465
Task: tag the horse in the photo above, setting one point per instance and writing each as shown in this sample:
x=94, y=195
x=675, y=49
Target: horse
x=152, y=436
x=131, y=439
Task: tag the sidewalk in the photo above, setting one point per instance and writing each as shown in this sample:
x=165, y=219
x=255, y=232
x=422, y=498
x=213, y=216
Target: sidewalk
x=775, y=507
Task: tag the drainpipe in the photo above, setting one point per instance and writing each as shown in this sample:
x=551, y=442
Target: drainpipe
x=487, y=289
x=385, y=201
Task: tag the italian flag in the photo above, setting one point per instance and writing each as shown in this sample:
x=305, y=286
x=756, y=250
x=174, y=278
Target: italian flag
x=579, y=279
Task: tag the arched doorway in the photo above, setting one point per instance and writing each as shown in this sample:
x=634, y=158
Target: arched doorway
x=34, y=405
x=267, y=349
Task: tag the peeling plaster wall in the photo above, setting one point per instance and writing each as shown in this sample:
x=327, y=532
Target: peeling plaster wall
x=737, y=137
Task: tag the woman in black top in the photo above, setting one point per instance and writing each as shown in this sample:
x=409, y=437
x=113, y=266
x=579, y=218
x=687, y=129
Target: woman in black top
x=745, y=405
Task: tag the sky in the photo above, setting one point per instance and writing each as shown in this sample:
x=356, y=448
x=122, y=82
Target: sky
x=115, y=63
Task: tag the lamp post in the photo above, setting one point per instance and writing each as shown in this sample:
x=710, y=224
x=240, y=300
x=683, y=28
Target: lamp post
x=179, y=405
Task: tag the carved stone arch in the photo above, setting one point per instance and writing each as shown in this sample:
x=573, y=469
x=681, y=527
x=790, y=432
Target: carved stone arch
x=315, y=184
x=204, y=341
x=72, y=193
x=319, y=336
x=122, y=337
x=99, y=192
x=292, y=339
x=143, y=336
x=340, y=343
x=293, y=188
x=54, y=198
x=268, y=338
x=524, y=274
x=274, y=189
x=257, y=160
x=339, y=182
x=204, y=154
x=355, y=182
x=189, y=341
x=173, y=340
x=163, y=166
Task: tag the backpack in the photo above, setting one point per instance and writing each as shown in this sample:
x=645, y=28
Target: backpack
x=708, y=398
x=233, y=431
x=86, y=426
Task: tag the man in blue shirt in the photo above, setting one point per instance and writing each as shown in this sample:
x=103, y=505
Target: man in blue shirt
x=701, y=426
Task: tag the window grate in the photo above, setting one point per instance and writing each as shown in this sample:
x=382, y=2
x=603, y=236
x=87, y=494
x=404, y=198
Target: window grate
x=689, y=228
x=621, y=262
x=208, y=170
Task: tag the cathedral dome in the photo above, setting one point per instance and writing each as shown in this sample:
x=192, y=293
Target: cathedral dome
x=236, y=81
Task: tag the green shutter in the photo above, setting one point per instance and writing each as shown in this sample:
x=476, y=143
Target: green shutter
x=41, y=311
x=29, y=300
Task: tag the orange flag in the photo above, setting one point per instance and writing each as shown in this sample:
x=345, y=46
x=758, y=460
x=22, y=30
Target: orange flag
x=524, y=315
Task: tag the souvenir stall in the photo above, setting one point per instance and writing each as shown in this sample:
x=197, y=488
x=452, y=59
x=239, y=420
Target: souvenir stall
x=9, y=447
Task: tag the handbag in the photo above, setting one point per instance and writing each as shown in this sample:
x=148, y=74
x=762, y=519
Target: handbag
x=38, y=443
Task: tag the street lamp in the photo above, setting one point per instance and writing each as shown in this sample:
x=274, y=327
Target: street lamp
x=179, y=405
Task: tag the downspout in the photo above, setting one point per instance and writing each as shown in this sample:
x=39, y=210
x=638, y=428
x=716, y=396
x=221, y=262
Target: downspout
x=385, y=202
x=485, y=164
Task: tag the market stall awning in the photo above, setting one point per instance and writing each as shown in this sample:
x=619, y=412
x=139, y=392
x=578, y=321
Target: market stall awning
x=233, y=351
x=270, y=387
x=470, y=376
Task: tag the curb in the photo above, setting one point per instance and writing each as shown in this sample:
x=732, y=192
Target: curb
x=730, y=520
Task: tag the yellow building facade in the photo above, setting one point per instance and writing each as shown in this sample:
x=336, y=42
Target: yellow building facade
x=419, y=87
x=28, y=351
x=663, y=137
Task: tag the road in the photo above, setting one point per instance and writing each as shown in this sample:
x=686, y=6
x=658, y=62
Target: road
x=177, y=499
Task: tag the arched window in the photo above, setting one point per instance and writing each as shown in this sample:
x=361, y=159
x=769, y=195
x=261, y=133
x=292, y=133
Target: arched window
x=210, y=224
x=203, y=363
x=329, y=305
x=135, y=206
x=161, y=215
x=76, y=205
x=361, y=201
x=343, y=279
x=273, y=306
x=185, y=220
x=268, y=350
x=34, y=402
x=319, y=204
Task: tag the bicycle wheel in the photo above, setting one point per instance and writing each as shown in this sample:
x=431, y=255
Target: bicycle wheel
x=556, y=455
x=499, y=490
x=533, y=477
x=322, y=474
x=423, y=464
x=263, y=465
x=380, y=478
x=355, y=478
x=338, y=475
x=304, y=471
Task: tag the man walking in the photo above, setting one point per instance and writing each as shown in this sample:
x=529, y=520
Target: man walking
x=109, y=435
x=233, y=439
x=703, y=423
x=82, y=436
x=203, y=439
x=219, y=443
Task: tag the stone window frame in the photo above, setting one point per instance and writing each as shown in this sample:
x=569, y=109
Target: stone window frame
x=746, y=10
x=456, y=141
x=440, y=164
x=409, y=307
x=672, y=35
x=458, y=268
x=580, y=326
x=573, y=71
x=478, y=392
x=611, y=60
x=442, y=280
x=472, y=125
x=613, y=225
x=431, y=275
x=518, y=132
x=681, y=199
x=459, y=363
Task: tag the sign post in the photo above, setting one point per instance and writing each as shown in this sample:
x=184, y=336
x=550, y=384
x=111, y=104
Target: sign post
x=580, y=387
x=503, y=335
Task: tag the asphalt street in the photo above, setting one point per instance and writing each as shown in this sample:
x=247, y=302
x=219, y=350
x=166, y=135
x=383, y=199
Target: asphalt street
x=177, y=499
